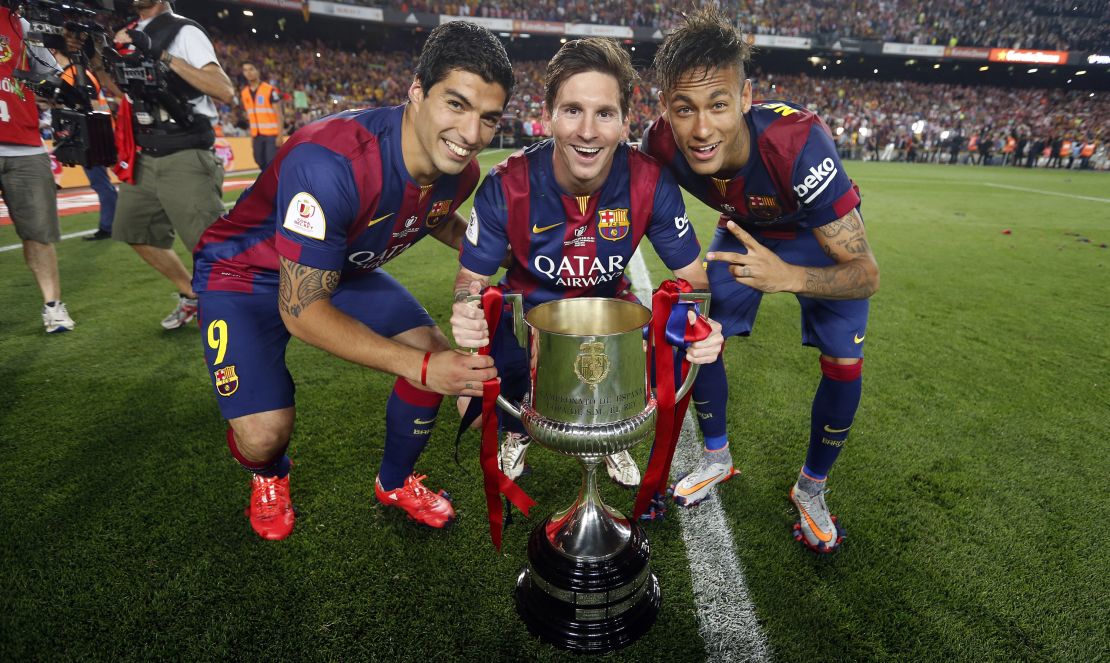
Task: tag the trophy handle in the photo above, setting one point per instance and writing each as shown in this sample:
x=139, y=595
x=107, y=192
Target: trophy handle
x=520, y=332
x=703, y=298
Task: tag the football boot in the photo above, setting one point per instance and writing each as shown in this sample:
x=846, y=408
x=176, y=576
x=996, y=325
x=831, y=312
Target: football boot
x=697, y=485
x=816, y=528
x=419, y=503
x=271, y=509
x=511, y=457
x=622, y=469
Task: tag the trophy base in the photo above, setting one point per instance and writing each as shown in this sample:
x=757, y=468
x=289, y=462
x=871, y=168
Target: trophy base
x=588, y=605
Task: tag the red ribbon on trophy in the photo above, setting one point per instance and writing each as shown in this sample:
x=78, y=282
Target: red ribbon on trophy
x=494, y=480
x=665, y=334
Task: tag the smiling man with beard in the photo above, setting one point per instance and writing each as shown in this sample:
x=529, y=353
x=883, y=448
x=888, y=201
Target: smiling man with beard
x=573, y=208
x=300, y=254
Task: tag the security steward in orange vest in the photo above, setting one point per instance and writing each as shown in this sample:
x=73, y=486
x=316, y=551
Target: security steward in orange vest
x=262, y=102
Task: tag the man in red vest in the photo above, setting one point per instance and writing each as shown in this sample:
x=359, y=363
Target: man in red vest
x=262, y=102
x=26, y=180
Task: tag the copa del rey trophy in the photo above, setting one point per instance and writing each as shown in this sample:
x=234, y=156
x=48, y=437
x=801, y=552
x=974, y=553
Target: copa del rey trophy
x=588, y=584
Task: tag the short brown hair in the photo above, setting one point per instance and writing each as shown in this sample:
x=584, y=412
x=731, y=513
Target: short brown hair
x=598, y=54
x=705, y=41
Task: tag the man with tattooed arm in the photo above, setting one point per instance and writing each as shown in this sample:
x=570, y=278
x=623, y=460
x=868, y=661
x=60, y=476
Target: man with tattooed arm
x=301, y=254
x=790, y=222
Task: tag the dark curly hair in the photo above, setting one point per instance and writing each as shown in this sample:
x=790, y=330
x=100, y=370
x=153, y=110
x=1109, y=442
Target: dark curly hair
x=467, y=47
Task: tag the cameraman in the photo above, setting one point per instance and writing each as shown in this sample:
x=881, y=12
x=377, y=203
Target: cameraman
x=98, y=177
x=26, y=181
x=177, y=184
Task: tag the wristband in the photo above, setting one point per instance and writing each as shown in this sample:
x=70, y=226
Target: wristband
x=424, y=369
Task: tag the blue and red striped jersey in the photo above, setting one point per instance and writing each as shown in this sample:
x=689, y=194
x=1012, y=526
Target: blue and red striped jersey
x=793, y=178
x=574, y=246
x=337, y=197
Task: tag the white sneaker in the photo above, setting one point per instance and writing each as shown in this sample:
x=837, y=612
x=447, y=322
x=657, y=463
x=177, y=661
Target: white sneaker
x=512, y=453
x=182, y=315
x=697, y=485
x=816, y=527
x=56, y=318
x=622, y=469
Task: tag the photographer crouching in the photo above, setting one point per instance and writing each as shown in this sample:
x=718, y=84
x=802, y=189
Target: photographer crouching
x=173, y=183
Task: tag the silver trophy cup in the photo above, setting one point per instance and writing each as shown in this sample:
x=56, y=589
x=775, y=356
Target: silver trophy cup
x=588, y=585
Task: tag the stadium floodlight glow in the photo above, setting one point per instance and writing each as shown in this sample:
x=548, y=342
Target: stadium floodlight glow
x=936, y=66
x=247, y=12
x=1081, y=72
x=317, y=54
x=823, y=68
x=1033, y=70
x=254, y=31
x=562, y=40
x=875, y=71
x=984, y=68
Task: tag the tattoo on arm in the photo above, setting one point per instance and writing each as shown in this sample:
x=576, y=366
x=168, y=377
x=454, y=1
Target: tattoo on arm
x=845, y=238
x=844, y=241
x=300, y=286
x=462, y=284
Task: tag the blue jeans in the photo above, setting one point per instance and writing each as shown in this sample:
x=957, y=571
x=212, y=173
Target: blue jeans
x=106, y=192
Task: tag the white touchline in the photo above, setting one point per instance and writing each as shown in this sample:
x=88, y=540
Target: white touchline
x=726, y=614
x=81, y=233
x=1048, y=193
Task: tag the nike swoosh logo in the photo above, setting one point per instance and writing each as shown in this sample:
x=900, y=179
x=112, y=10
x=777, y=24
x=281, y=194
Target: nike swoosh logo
x=698, y=486
x=537, y=229
x=812, y=525
x=383, y=218
x=424, y=421
x=858, y=339
x=700, y=402
x=835, y=430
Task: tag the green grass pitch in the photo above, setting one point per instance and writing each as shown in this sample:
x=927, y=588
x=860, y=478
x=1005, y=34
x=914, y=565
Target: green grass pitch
x=973, y=488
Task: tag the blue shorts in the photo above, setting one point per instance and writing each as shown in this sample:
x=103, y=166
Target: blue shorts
x=245, y=339
x=835, y=326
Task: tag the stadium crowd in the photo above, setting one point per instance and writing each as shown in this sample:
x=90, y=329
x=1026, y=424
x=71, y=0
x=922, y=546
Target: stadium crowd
x=872, y=119
x=1051, y=24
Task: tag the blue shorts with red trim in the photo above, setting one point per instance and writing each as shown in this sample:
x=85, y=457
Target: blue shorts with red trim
x=835, y=326
x=245, y=339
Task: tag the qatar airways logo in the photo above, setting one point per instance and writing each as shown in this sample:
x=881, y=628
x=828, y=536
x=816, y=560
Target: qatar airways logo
x=817, y=180
x=579, y=271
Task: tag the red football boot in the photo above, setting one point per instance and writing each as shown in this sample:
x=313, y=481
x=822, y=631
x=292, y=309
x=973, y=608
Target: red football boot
x=271, y=509
x=421, y=504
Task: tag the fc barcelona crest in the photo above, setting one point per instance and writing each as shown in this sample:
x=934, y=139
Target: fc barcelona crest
x=440, y=209
x=613, y=224
x=764, y=207
x=226, y=380
x=592, y=364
